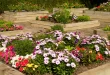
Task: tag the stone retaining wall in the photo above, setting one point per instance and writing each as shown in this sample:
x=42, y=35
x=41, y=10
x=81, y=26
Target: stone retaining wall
x=6, y=70
x=76, y=11
x=67, y=27
x=98, y=15
x=101, y=70
x=22, y=16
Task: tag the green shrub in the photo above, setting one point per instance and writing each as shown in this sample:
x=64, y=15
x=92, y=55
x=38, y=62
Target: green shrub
x=107, y=28
x=4, y=24
x=23, y=47
x=57, y=27
x=109, y=37
x=23, y=6
x=62, y=16
x=83, y=18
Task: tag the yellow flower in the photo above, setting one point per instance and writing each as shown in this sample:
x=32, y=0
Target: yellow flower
x=35, y=66
x=24, y=68
x=30, y=65
x=90, y=51
x=34, y=69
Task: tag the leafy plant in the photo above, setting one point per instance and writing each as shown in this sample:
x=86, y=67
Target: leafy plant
x=23, y=6
x=57, y=27
x=62, y=16
x=43, y=68
x=43, y=36
x=23, y=47
x=83, y=18
x=103, y=7
x=107, y=28
x=108, y=37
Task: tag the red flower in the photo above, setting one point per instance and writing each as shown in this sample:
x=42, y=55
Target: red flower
x=1, y=54
x=21, y=69
x=98, y=6
x=99, y=56
x=19, y=58
x=78, y=48
x=26, y=61
x=17, y=64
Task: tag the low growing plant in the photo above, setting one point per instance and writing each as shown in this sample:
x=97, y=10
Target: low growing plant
x=23, y=47
x=57, y=27
x=107, y=28
x=83, y=18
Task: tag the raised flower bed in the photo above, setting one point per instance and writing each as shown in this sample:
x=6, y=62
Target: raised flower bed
x=69, y=22
x=53, y=53
x=101, y=12
x=23, y=12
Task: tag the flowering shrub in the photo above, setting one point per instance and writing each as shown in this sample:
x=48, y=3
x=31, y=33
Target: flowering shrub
x=103, y=7
x=8, y=26
x=62, y=16
x=58, y=55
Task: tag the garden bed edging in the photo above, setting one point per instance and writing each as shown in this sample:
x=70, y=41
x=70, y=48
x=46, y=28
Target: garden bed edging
x=17, y=17
x=67, y=27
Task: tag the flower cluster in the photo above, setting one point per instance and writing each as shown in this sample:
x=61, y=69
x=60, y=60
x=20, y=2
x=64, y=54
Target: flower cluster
x=42, y=18
x=9, y=26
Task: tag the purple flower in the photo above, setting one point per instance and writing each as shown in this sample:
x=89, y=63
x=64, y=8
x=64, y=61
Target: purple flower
x=46, y=61
x=68, y=64
x=54, y=61
x=46, y=58
x=66, y=60
x=57, y=62
x=73, y=64
x=45, y=54
x=96, y=47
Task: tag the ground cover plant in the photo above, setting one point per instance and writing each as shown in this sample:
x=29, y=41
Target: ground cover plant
x=9, y=26
x=106, y=28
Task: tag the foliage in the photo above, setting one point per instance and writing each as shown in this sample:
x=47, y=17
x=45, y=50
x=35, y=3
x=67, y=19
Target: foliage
x=8, y=26
x=57, y=27
x=62, y=16
x=23, y=6
x=43, y=68
x=43, y=36
x=103, y=7
x=72, y=5
x=107, y=28
x=23, y=47
x=83, y=18
x=108, y=37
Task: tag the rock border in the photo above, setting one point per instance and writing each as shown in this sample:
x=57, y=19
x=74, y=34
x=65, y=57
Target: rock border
x=98, y=15
x=67, y=27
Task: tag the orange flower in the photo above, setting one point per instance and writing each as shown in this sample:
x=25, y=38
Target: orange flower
x=78, y=48
x=99, y=56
